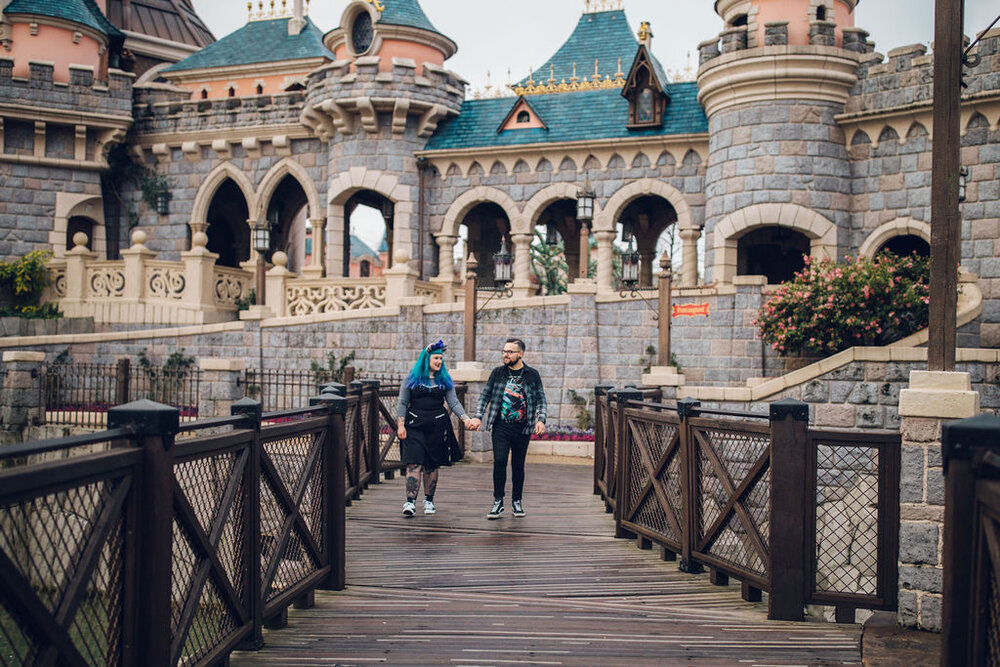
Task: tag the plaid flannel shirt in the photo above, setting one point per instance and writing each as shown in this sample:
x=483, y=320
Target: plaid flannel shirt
x=534, y=398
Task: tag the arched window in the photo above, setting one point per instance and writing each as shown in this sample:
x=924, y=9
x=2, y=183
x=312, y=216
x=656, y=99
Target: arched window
x=204, y=93
x=775, y=252
x=260, y=89
x=366, y=268
x=821, y=13
x=79, y=224
x=232, y=92
x=905, y=245
x=523, y=117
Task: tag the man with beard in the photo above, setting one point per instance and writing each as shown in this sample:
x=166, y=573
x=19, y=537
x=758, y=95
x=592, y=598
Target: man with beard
x=517, y=409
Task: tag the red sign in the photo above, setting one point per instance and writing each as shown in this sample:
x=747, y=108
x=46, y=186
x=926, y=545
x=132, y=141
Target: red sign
x=690, y=310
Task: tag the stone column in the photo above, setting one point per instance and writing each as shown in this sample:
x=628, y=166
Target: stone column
x=76, y=276
x=316, y=266
x=584, y=250
x=522, y=264
x=932, y=398
x=689, y=256
x=605, y=260
x=275, y=283
x=220, y=386
x=199, y=269
x=23, y=402
x=400, y=280
x=446, y=266
x=135, y=267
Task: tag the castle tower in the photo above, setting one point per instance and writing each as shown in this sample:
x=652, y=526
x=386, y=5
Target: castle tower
x=778, y=182
x=375, y=105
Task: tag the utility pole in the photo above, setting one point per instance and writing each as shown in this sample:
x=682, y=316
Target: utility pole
x=946, y=231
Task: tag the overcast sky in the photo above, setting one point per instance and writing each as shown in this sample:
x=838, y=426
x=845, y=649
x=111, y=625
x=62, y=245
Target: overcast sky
x=493, y=36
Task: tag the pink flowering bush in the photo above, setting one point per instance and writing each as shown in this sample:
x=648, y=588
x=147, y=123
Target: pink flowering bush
x=830, y=306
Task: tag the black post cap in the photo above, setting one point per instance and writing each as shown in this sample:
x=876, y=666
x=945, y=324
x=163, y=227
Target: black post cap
x=357, y=386
x=338, y=404
x=333, y=388
x=370, y=384
x=687, y=406
x=628, y=394
x=798, y=410
x=959, y=438
x=247, y=406
x=146, y=417
x=603, y=389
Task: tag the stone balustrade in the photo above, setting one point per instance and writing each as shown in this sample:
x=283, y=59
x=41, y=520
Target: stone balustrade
x=141, y=288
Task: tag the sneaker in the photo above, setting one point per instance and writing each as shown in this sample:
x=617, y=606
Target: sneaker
x=429, y=507
x=496, y=511
x=409, y=508
x=518, y=510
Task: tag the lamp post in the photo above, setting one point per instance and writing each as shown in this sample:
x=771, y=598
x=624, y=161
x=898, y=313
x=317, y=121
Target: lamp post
x=261, y=243
x=503, y=268
x=585, y=215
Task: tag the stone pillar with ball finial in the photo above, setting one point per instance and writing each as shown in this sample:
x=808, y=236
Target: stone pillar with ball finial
x=135, y=258
x=199, y=271
x=276, y=278
x=400, y=279
x=76, y=276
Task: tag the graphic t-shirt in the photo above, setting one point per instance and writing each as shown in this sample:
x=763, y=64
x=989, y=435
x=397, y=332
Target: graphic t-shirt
x=513, y=408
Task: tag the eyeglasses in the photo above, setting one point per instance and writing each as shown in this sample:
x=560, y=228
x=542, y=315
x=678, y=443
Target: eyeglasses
x=511, y=351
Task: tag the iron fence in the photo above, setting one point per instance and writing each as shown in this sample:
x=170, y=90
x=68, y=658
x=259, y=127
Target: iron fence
x=724, y=491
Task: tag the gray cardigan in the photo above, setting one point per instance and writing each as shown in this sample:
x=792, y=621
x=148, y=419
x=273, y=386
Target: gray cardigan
x=449, y=396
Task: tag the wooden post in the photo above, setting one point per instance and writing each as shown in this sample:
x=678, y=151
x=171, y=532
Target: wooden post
x=959, y=440
x=122, y=381
x=155, y=426
x=622, y=467
x=251, y=500
x=599, y=435
x=469, y=353
x=369, y=394
x=335, y=490
x=666, y=278
x=690, y=486
x=348, y=375
x=584, y=250
x=946, y=234
x=787, y=568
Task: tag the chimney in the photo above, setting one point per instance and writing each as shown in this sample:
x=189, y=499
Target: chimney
x=297, y=23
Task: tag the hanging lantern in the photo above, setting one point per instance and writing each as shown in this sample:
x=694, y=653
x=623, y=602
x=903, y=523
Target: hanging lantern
x=262, y=238
x=162, y=202
x=585, y=203
x=630, y=267
x=503, y=265
x=628, y=230
x=551, y=234
x=387, y=209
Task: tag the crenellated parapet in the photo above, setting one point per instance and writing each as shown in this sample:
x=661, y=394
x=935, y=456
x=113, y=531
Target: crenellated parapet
x=160, y=112
x=62, y=123
x=350, y=97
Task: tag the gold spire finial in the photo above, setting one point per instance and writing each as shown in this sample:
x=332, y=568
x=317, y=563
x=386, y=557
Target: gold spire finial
x=379, y=6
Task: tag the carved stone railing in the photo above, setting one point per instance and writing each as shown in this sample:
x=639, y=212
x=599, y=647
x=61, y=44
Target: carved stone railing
x=424, y=288
x=311, y=297
x=140, y=288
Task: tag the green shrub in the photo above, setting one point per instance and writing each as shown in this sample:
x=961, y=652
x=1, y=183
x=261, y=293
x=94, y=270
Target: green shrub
x=21, y=286
x=830, y=306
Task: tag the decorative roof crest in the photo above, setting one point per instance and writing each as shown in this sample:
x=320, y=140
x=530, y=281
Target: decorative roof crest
x=267, y=14
x=575, y=84
x=595, y=6
x=377, y=4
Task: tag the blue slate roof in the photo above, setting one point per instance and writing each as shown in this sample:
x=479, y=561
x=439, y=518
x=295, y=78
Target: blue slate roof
x=601, y=36
x=84, y=12
x=592, y=115
x=360, y=249
x=258, y=42
x=406, y=12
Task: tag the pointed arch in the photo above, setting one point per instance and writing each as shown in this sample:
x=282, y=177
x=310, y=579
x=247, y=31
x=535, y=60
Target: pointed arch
x=472, y=198
x=606, y=218
x=287, y=167
x=821, y=232
x=215, y=178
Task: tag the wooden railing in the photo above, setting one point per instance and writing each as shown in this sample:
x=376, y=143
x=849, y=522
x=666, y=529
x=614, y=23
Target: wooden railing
x=810, y=516
x=970, y=633
x=161, y=543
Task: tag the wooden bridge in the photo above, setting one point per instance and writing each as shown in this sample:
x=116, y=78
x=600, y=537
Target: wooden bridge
x=552, y=588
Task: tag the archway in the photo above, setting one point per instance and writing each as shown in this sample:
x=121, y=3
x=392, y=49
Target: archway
x=228, y=231
x=773, y=251
x=76, y=224
x=561, y=215
x=487, y=224
x=286, y=213
x=368, y=233
x=906, y=244
x=649, y=216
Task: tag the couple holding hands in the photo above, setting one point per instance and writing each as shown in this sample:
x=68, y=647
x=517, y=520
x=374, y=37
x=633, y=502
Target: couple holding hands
x=512, y=403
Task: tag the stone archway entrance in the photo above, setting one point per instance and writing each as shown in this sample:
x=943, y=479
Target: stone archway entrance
x=228, y=231
x=649, y=217
x=487, y=225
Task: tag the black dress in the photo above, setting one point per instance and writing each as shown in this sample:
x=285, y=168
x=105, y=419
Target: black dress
x=430, y=440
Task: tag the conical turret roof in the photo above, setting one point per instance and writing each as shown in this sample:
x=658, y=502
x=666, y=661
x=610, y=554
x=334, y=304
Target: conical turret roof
x=406, y=13
x=82, y=12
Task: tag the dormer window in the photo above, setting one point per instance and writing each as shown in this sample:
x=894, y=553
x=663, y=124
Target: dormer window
x=260, y=89
x=643, y=90
x=523, y=117
x=232, y=92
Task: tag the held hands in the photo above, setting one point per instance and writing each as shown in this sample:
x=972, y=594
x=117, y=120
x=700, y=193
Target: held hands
x=539, y=428
x=473, y=424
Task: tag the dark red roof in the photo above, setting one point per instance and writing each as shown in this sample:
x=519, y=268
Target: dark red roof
x=173, y=20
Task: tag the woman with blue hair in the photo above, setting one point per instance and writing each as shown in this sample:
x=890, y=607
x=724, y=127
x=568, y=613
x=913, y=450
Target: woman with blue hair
x=424, y=429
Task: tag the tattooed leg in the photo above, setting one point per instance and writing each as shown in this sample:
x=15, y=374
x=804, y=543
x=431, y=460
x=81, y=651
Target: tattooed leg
x=412, y=481
x=430, y=483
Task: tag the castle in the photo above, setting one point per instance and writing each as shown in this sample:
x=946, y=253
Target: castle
x=143, y=154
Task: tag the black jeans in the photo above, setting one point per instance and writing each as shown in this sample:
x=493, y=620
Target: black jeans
x=509, y=441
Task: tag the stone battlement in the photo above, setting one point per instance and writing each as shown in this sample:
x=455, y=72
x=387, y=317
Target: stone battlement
x=83, y=91
x=159, y=111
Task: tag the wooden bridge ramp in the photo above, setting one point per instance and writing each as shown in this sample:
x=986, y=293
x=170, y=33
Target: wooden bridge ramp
x=552, y=588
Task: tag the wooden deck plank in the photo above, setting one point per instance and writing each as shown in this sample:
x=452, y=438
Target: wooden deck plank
x=552, y=588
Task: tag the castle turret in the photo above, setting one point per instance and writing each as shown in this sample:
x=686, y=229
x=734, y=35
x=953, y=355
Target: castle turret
x=375, y=105
x=778, y=179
